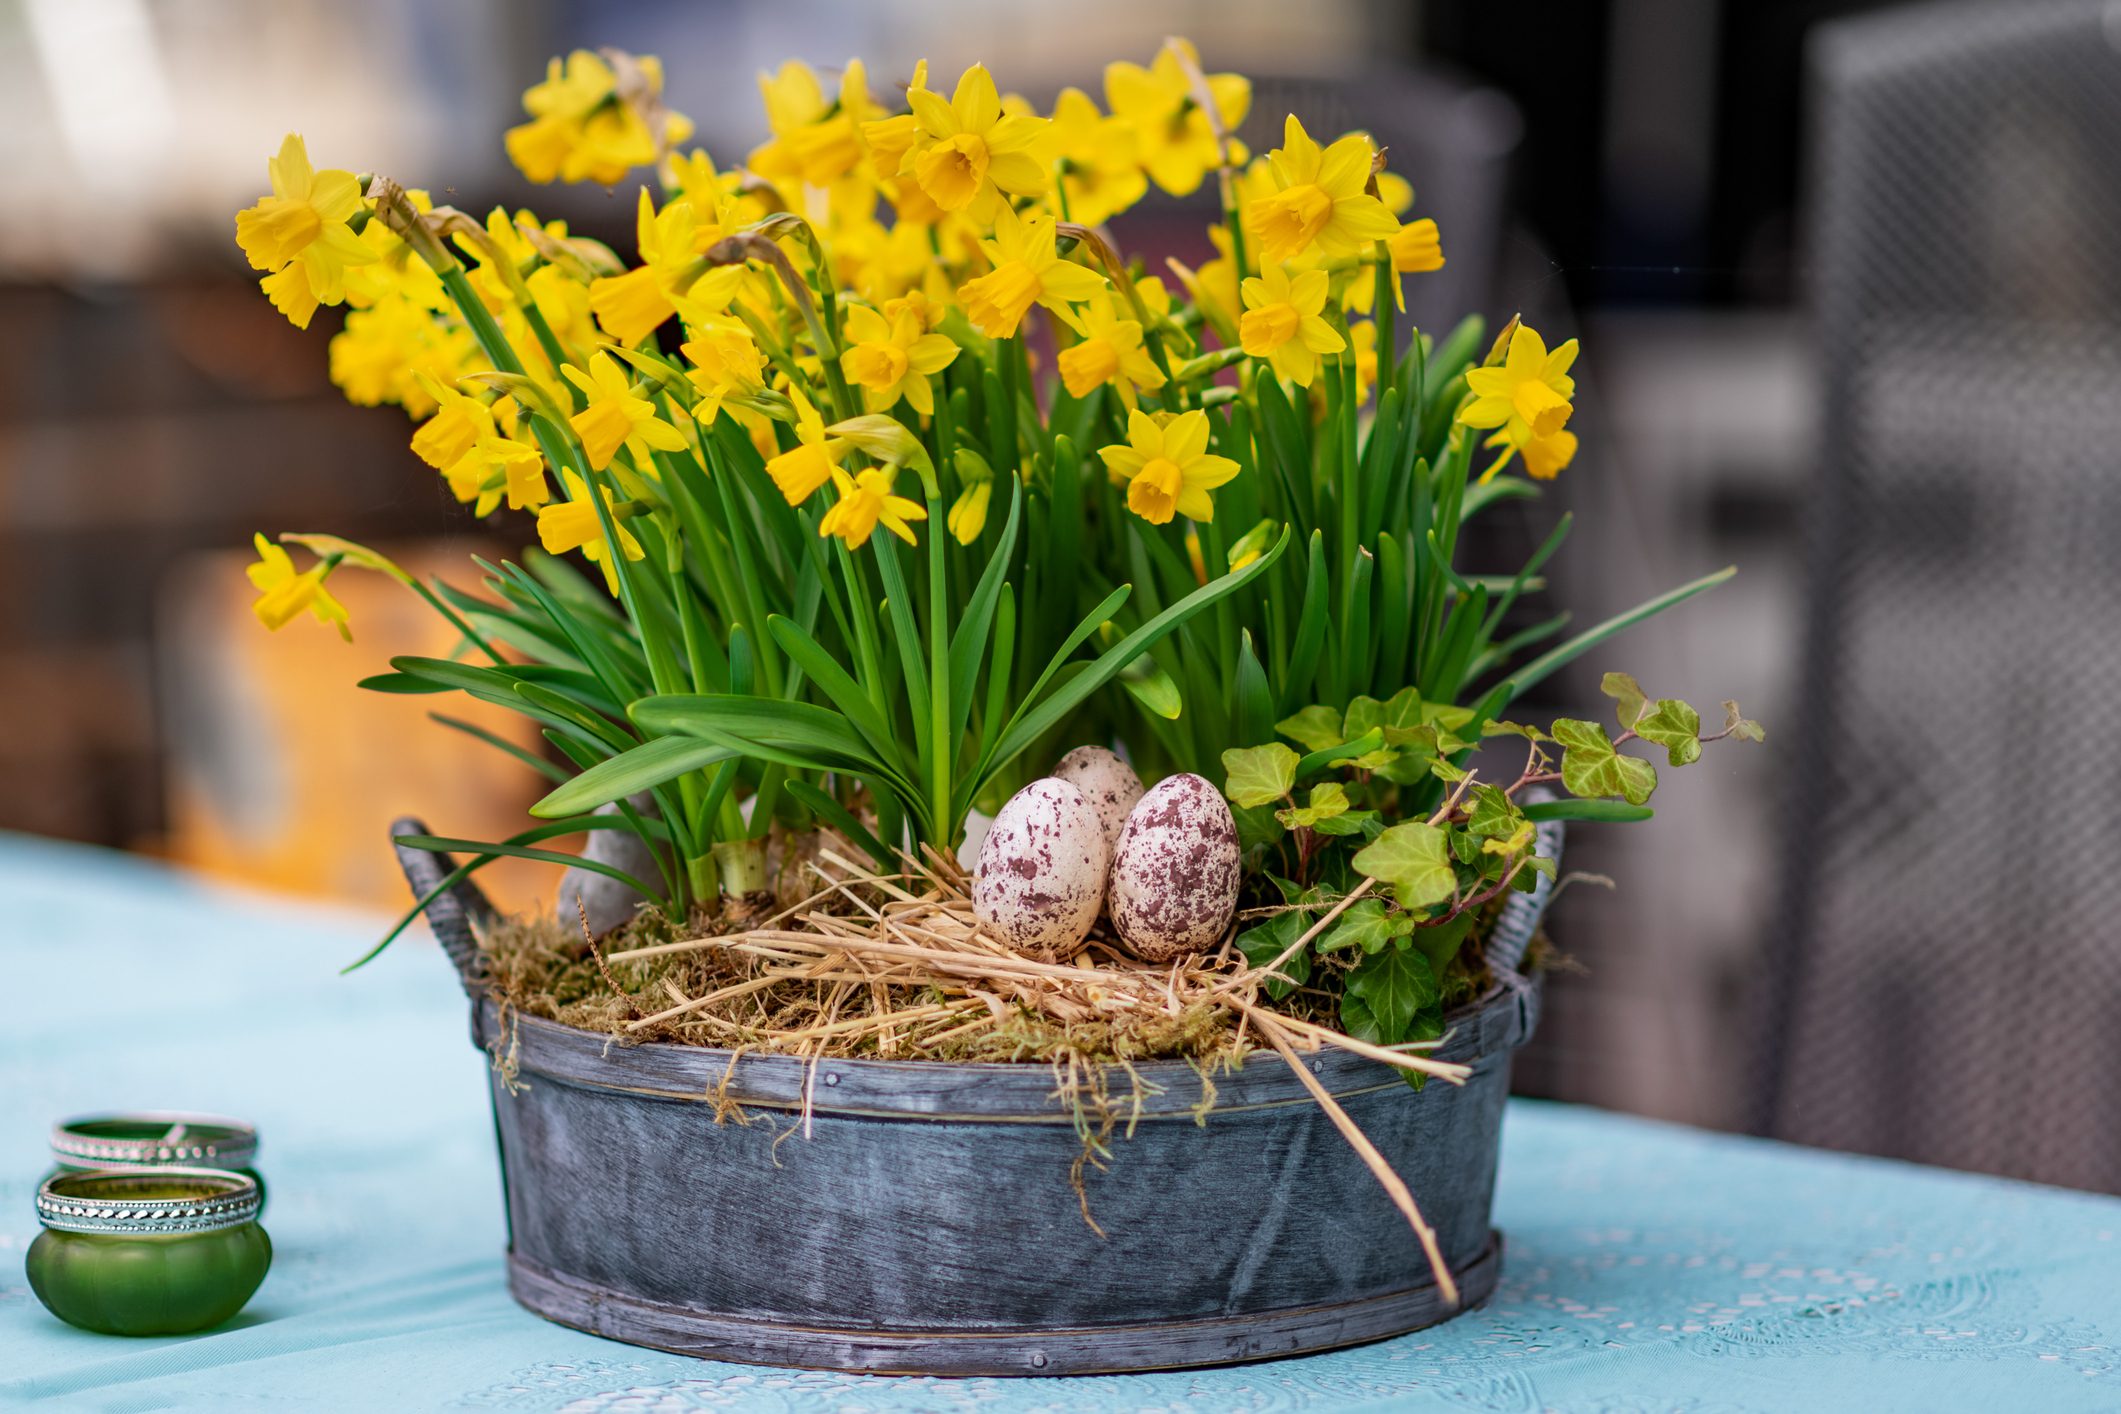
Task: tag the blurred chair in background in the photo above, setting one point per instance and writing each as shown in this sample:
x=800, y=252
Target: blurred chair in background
x=1947, y=958
x=281, y=770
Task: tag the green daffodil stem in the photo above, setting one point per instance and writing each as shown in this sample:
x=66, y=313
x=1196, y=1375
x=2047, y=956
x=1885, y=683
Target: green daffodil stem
x=943, y=751
x=1386, y=305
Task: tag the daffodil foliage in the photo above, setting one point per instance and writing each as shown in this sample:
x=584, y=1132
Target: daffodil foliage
x=876, y=472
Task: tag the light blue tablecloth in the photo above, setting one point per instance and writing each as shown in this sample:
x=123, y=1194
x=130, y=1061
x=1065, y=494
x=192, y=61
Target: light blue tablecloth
x=1648, y=1268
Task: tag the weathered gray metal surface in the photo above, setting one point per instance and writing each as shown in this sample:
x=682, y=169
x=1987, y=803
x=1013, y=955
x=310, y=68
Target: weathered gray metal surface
x=920, y=1215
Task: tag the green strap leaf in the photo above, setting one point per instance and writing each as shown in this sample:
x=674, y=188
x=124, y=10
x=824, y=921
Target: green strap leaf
x=1554, y=659
x=660, y=759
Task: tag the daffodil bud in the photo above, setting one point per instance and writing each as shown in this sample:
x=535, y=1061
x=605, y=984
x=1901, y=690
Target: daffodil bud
x=889, y=441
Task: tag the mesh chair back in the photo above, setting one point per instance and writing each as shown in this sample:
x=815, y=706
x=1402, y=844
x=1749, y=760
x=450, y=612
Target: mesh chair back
x=1949, y=957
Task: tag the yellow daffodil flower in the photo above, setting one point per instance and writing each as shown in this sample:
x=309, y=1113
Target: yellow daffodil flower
x=299, y=233
x=522, y=471
x=1528, y=396
x=815, y=141
x=1168, y=467
x=968, y=153
x=865, y=502
x=919, y=303
x=725, y=361
x=572, y=525
x=1214, y=286
x=814, y=460
x=1364, y=336
x=1282, y=323
x=890, y=139
x=382, y=353
x=1100, y=173
x=1027, y=271
x=631, y=306
x=1544, y=457
x=459, y=421
x=1318, y=199
x=891, y=359
x=1173, y=137
x=1416, y=248
x=282, y=594
x=582, y=129
x=1110, y=350
x=615, y=418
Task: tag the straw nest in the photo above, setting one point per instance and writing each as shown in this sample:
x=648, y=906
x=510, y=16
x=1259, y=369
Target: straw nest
x=859, y=963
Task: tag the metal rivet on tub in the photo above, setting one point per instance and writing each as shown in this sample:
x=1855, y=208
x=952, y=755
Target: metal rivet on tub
x=832, y=1077
x=1038, y=1359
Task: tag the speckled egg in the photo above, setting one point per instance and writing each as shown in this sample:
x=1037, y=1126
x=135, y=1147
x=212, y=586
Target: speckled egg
x=1108, y=782
x=1041, y=875
x=1175, y=871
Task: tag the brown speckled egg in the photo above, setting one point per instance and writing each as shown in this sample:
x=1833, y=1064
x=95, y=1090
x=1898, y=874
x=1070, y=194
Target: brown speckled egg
x=1175, y=871
x=1041, y=875
x=1106, y=781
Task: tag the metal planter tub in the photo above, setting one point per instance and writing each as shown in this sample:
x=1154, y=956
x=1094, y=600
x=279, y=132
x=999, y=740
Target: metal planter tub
x=921, y=1217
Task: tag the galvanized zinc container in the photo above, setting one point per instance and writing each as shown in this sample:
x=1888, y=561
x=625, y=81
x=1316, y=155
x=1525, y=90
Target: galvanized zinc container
x=922, y=1218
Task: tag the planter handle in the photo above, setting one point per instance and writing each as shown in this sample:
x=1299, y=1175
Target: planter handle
x=453, y=913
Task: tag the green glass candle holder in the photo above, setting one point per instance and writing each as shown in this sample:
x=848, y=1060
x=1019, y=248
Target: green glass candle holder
x=148, y=1252
x=156, y=1139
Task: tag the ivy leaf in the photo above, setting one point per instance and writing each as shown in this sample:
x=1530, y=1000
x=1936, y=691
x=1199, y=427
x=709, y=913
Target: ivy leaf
x=1591, y=767
x=1269, y=940
x=1445, y=771
x=1259, y=775
x=1507, y=845
x=1367, y=924
x=1396, y=985
x=1492, y=812
x=1352, y=822
x=1675, y=726
x=1517, y=729
x=1629, y=696
x=1327, y=801
x=1734, y=724
x=1314, y=728
x=1415, y=859
x=1357, y=1020
x=1440, y=944
x=1256, y=827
